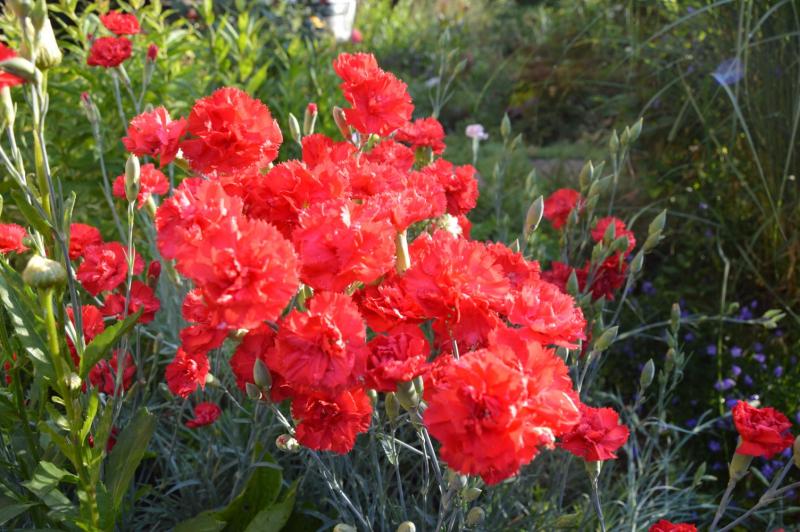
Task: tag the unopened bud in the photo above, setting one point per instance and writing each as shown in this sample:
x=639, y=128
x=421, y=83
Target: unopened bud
x=407, y=526
x=344, y=527
x=419, y=384
x=505, y=126
x=341, y=122
x=21, y=8
x=261, y=376
x=310, y=119
x=613, y=143
x=373, y=397
x=286, y=443
x=456, y=481
x=636, y=129
x=475, y=516
x=407, y=395
x=152, y=53
x=392, y=407
x=739, y=465
x=606, y=339
x=8, y=113
x=133, y=173
x=534, y=216
x=646, y=377
x=610, y=233
x=44, y=273
x=252, y=391
x=593, y=469
x=572, y=283
x=22, y=68
x=625, y=138
x=796, y=452
x=470, y=494
x=48, y=54
x=294, y=128
x=658, y=223
x=620, y=245
x=675, y=317
x=585, y=175
x=637, y=262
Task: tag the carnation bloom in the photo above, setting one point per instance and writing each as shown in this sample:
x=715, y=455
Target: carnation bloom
x=397, y=356
x=92, y=324
x=230, y=132
x=322, y=350
x=476, y=132
x=493, y=408
x=764, y=431
x=103, y=375
x=152, y=53
x=423, y=133
x=11, y=236
x=109, y=52
x=6, y=79
x=460, y=185
x=379, y=101
x=548, y=315
x=332, y=424
x=186, y=372
x=142, y=297
x=667, y=526
x=341, y=242
x=620, y=230
x=319, y=149
x=120, y=23
x=391, y=153
x=204, y=414
x=105, y=267
x=386, y=304
x=254, y=346
x=596, y=436
x=81, y=236
x=608, y=277
x=559, y=204
x=152, y=181
x=519, y=271
x=155, y=134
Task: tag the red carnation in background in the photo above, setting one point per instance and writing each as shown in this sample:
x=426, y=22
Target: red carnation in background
x=423, y=133
x=559, y=204
x=105, y=267
x=156, y=135
x=397, y=356
x=667, y=526
x=322, y=350
x=620, y=230
x=355, y=68
x=6, y=79
x=204, y=414
x=142, y=297
x=152, y=181
x=332, y=424
x=103, y=375
x=230, y=132
x=460, y=185
x=92, y=324
x=393, y=154
x=764, y=431
x=109, y=52
x=120, y=23
x=11, y=236
x=597, y=436
x=340, y=242
x=81, y=236
x=186, y=372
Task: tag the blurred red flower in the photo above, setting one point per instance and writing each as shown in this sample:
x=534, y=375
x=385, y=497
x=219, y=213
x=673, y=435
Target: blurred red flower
x=109, y=52
x=596, y=436
x=120, y=23
x=11, y=236
x=152, y=181
x=204, y=414
x=764, y=431
x=423, y=133
x=559, y=205
x=332, y=424
x=155, y=134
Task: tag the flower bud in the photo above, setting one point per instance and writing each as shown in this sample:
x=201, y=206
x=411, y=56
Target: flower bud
x=261, y=376
x=294, y=128
x=132, y=178
x=739, y=465
x=796, y=452
x=310, y=119
x=606, y=339
x=48, y=54
x=1, y=204
x=636, y=129
x=22, y=68
x=73, y=382
x=625, y=138
x=343, y=527
x=407, y=526
x=407, y=395
x=646, y=377
x=475, y=516
x=675, y=317
x=21, y=8
x=392, y=407
x=341, y=122
x=534, y=216
x=470, y=494
x=505, y=126
x=620, y=245
x=637, y=262
x=419, y=384
x=658, y=223
x=286, y=443
x=152, y=53
x=610, y=234
x=613, y=143
x=373, y=396
x=456, y=481
x=8, y=113
x=44, y=273
x=584, y=175
x=572, y=283
x=252, y=391
x=593, y=469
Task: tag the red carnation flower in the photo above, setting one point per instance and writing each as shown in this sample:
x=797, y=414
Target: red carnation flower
x=155, y=134
x=340, y=242
x=608, y=278
x=398, y=356
x=204, y=414
x=764, y=431
x=105, y=267
x=319, y=149
x=202, y=338
x=459, y=184
x=393, y=154
x=559, y=274
x=109, y=52
x=6, y=79
x=120, y=23
x=559, y=204
x=11, y=236
x=423, y=133
x=596, y=436
x=667, y=526
x=620, y=230
x=152, y=53
x=186, y=372
x=322, y=350
x=142, y=297
x=230, y=132
x=152, y=181
x=103, y=375
x=548, y=315
x=380, y=102
x=469, y=329
x=493, y=408
x=92, y=324
x=81, y=236
x=519, y=271
x=386, y=304
x=254, y=347
x=332, y=424
x=418, y=199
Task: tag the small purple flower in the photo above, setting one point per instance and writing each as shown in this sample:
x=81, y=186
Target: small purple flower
x=688, y=337
x=717, y=466
x=778, y=333
x=797, y=416
x=736, y=370
x=708, y=233
x=791, y=494
x=731, y=402
x=778, y=371
x=748, y=381
x=691, y=423
x=745, y=314
x=767, y=470
x=711, y=350
x=714, y=446
x=729, y=72
x=760, y=358
x=724, y=384
x=648, y=289
x=758, y=346
x=703, y=205
x=754, y=304
x=736, y=351
x=786, y=453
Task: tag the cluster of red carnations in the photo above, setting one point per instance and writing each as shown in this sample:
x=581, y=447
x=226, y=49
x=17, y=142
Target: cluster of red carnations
x=112, y=51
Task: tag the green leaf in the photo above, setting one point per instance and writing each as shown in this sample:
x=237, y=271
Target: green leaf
x=128, y=452
x=91, y=411
x=260, y=492
x=103, y=342
x=274, y=517
x=46, y=477
x=204, y=522
x=30, y=214
x=9, y=512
